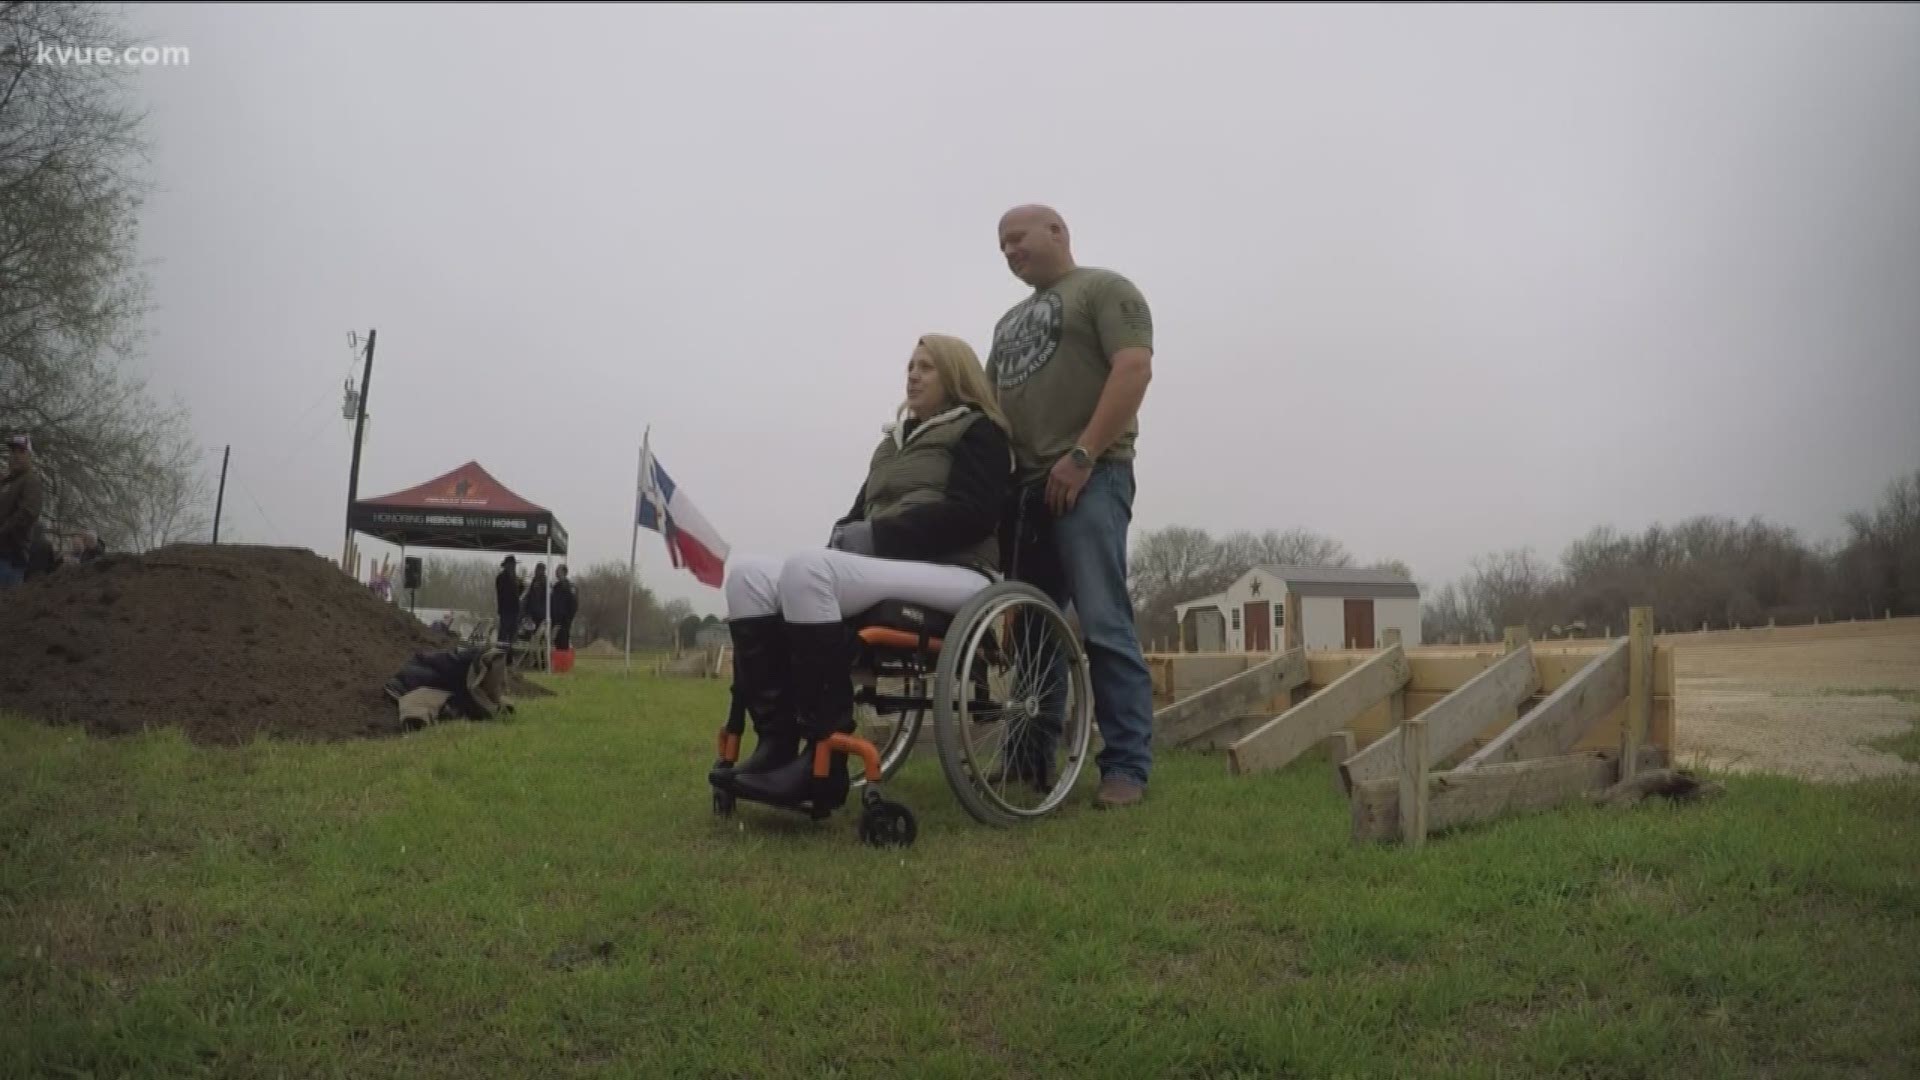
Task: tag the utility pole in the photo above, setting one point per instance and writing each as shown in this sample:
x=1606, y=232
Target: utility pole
x=359, y=426
x=220, y=499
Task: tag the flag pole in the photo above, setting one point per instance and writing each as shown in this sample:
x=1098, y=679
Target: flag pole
x=633, y=545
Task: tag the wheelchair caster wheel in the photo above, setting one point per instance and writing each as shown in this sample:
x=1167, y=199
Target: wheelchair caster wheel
x=887, y=824
x=723, y=803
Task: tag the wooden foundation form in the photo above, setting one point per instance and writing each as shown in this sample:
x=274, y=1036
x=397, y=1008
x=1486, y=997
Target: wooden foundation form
x=1425, y=740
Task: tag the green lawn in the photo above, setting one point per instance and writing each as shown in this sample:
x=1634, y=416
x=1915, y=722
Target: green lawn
x=552, y=896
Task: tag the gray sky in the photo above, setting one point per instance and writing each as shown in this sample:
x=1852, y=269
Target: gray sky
x=1435, y=282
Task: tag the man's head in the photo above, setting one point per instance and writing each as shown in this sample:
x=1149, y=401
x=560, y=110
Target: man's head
x=561, y=573
x=19, y=452
x=1034, y=241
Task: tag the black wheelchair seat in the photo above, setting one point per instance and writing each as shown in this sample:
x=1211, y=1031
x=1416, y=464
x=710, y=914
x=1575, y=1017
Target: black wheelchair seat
x=909, y=618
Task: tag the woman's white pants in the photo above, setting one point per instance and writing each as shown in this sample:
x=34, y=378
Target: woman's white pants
x=825, y=585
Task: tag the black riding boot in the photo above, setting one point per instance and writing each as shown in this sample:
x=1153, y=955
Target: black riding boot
x=821, y=658
x=760, y=679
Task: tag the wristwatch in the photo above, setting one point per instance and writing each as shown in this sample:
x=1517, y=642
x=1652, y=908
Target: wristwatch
x=1081, y=457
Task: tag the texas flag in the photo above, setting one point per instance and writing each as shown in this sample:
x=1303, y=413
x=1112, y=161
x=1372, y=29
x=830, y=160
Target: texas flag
x=692, y=543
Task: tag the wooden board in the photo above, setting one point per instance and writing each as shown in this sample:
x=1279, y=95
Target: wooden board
x=1640, y=680
x=1553, y=726
x=1487, y=698
x=1276, y=743
x=1556, y=669
x=1240, y=695
x=1445, y=673
x=1493, y=791
x=1177, y=677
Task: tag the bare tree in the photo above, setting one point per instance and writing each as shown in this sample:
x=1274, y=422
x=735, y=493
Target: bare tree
x=1878, y=570
x=70, y=311
x=1446, y=619
x=603, y=608
x=463, y=583
x=1393, y=566
x=1512, y=588
x=174, y=508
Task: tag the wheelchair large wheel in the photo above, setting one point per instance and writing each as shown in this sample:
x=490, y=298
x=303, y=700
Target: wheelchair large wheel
x=1012, y=705
x=893, y=740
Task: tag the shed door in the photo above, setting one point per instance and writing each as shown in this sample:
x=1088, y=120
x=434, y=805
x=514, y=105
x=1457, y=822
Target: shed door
x=1259, y=623
x=1360, y=624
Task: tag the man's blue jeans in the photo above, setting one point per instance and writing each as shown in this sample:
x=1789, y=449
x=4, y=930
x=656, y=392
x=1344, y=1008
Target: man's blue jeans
x=10, y=573
x=1090, y=543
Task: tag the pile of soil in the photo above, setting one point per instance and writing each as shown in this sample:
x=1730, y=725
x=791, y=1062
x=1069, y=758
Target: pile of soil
x=225, y=643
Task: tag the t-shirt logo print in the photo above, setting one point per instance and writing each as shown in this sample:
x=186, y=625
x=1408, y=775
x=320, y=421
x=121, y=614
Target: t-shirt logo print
x=1026, y=339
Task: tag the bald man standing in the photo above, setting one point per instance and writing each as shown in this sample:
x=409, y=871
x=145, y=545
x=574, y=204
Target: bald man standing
x=1071, y=364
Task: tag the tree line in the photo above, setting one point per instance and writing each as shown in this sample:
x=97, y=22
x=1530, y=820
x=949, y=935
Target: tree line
x=1706, y=571
x=114, y=460
x=466, y=584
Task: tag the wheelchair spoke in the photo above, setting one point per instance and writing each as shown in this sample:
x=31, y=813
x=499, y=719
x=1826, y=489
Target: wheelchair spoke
x=1012, y=706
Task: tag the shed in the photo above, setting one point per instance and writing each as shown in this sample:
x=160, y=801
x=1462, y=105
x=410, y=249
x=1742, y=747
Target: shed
x=1331, y=608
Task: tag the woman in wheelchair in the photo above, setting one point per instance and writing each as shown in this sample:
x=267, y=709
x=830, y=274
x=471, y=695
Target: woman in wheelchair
x=924, y=529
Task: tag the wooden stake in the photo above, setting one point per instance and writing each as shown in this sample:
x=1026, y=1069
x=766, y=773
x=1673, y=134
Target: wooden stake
x=1639, y=687
x=1414, y=762
x=1518, y=637
x=1339, y=748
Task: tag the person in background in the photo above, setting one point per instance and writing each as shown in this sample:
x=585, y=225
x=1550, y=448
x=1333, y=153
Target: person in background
x=533, y=606
x=506, y=598
x=22, y=498
x=87, y=547
x=566, y=604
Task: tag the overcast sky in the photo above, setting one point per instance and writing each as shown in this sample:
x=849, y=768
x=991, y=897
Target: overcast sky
x=1433, y=281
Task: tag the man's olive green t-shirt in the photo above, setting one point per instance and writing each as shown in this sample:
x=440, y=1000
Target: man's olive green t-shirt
x=1050, y=359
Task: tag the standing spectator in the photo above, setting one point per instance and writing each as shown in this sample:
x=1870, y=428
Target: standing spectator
x=21, y=499
x=565, y=606
x=1071, y=363
x=506, y=593
x=533, y=608
x=534, y=602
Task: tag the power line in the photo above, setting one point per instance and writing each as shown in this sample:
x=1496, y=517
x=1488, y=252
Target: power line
x=264, y=516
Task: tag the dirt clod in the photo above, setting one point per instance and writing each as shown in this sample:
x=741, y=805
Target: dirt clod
x=225, y=643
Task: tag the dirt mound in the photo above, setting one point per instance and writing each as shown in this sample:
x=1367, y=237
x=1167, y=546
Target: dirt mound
x=223, y=642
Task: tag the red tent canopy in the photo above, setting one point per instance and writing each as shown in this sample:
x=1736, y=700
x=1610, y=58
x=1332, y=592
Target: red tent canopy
x=465, y=508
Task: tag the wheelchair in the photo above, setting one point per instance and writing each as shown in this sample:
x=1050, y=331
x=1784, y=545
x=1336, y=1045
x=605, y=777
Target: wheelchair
x=1008, y=686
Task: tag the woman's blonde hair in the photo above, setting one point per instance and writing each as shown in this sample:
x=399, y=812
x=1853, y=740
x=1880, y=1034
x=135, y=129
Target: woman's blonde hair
x=961, y=375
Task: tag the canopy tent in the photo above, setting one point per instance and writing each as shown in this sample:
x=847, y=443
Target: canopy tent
x=466, y=509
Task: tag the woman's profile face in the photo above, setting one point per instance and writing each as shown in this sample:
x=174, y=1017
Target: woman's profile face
x=925, y=394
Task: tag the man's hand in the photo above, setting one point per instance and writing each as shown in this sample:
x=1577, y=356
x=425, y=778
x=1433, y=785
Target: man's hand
x=1065, y=483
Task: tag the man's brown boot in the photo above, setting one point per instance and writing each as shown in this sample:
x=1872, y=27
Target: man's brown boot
x=1118, y=791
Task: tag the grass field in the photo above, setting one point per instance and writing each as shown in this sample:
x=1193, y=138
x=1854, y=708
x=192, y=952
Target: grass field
x=551, y=896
